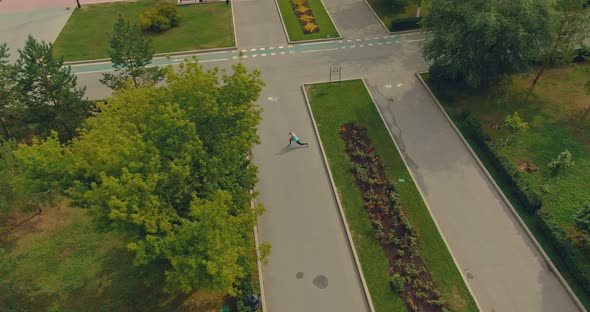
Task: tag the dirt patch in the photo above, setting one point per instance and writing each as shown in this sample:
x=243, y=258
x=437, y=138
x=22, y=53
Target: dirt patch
x=527, y=166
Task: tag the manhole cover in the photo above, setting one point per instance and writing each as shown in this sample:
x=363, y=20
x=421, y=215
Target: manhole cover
x=469, y=275
x=299, y=275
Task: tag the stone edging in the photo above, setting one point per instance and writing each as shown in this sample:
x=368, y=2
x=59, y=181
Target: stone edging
x=423, y=198
x=311, y=40
x=387, y=28
x=335, y=195
x=258, y=262
x=530, y=235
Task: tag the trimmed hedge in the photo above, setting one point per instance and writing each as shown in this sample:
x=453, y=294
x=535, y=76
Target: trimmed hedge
x=526, y=194
x=571, y=255
x=406, y=23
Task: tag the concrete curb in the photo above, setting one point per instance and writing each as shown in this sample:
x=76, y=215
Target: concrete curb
x=387, y=28
x=423, y=198
x=258, y=262
x=311, y=40
x=233, y=21
x=337, y=198
x=530, y=235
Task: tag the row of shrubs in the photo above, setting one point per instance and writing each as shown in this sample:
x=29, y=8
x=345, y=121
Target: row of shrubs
x=574, y=258
x=305, y=16
x=406, y=23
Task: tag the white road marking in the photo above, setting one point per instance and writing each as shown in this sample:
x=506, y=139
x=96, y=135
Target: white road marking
x=319, y=50
x=352, y=46
x=343, y=47
x=252, y=49
x=215, y=60
x=235, y=57
x=280, y=47
x=340, y=41
x=370, y=44
x=282, y=53
x=263, y=54
x=254, y=55
x=261, y=49
x=375, y=38
x=245, y=56
x=388, y=86
x=379, y=43
x=349, y=40
x=387, y=42
x=361, y=45
x=273, y=54
x=358, y=39
x=400, y=85
x=291, y=52
x=244, y=50
x=414, y=40
x=271, y=48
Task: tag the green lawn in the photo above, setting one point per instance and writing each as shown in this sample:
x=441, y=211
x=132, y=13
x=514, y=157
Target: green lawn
x=388, y=14
x=203, y=26
x=63, y=263
x=553, y=113
x=294, y=30
x=335, y=105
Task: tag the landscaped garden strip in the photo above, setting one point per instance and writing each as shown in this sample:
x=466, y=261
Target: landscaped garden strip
x=202, y=26
x=299, y=14
x=546, y=202
x=393, y=230
x=388, y=14
x=334, y=106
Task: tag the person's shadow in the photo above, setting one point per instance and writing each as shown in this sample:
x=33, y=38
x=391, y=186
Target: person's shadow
x=288, y=149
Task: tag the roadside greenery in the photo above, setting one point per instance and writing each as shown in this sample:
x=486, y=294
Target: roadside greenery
x=334, y=106
x=537, y=170
x=203, y=26
x=398, y=15
x=296, y=16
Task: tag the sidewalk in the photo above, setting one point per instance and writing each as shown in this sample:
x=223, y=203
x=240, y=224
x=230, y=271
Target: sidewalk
x=258, y=23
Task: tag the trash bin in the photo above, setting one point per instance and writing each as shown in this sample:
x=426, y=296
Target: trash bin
x=253, y=301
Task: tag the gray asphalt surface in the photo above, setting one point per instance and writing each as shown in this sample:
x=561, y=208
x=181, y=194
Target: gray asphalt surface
x=311, y=267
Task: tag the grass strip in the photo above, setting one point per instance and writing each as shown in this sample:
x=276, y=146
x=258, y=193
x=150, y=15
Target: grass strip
x=334, y=106
x=203, y=26
x=294, y=30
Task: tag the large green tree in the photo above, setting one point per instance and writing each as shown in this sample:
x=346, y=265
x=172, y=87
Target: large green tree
x=131, y=53
x=7, y=90
x=480, y=41
x=167, y=166
x=49, y=92
x=571, y=24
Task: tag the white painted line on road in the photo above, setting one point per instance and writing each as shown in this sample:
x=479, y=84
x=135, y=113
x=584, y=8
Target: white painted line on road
x=263, y=54
x=387, y=42
x=343, y=47
x=280, y=47
x=361, y=45
x=271, y=48
x=261, y=49
x=370, y=44
x=340, y=41
x=282, y=53
x=367, y=39
x=244, y=50
x=291, y=52
x=352, y=46
x=319, y=50
x=235, y=57
x=358, y=39
x=254, y=55
x=414, y=40
x=252, y=49
x=385, y=37
x=178, y=60
x=289, y=46
x=379, y=43
x=245, y=56
x=349, y=40
x=375, y=38
x=273, y=54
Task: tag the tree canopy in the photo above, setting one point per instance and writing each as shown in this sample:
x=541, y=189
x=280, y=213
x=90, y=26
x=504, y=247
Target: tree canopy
x=480, y=41
x=167, y=166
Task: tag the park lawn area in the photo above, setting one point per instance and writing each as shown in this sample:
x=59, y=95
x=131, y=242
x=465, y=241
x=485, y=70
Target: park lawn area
x=554, y=113
x=203, y=26
x=294, y=30
x=63, y=263
x=334, y=106
x=388, y=14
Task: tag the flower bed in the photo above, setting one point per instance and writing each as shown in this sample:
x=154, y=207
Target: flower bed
x=393, y=230
x=305, y=16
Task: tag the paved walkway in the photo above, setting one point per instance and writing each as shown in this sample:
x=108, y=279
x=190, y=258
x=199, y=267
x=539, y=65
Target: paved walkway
x=258, y=23
x=354, y=19
x=43, y=24
x=19, y=5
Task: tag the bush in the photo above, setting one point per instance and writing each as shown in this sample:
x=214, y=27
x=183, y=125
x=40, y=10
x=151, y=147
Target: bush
x=406, y=23
x=396, y=282
x=562, y=162
x=583, y=218
x=159, y=19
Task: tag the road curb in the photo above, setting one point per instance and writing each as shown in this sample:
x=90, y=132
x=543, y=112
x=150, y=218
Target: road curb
x=387, y=28
x=258, y=262
x=423, y=198
x=311, y=40
x=337, y=198
x=530, y=235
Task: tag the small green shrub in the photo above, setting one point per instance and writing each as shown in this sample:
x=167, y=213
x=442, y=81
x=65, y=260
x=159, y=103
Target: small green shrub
x=562, y=162
x=582, y=218
x=159, y=19
x=406, y=23
x=396, y=282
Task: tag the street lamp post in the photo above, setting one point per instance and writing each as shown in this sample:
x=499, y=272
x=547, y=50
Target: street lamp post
x=78, y=3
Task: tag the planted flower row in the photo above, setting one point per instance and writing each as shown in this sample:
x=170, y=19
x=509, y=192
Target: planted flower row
x=392, y=228
x=305, y=16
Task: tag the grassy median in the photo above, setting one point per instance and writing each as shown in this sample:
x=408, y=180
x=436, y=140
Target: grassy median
x=334, y=106
x=294, y=30
x=203, y=26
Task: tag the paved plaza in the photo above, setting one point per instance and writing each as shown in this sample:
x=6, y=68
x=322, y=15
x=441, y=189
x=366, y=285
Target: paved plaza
x=311, y=267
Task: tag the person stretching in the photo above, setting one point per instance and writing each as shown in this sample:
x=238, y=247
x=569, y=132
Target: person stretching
x=293, y=137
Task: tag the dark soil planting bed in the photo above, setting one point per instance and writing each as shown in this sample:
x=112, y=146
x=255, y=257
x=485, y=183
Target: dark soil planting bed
x=393, y=230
